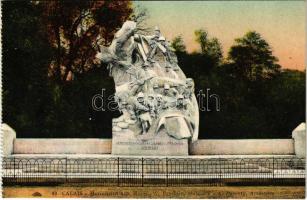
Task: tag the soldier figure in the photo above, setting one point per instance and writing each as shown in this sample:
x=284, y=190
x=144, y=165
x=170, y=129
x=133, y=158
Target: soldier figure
x=169, y=92
x=178, y=88
x=153, y=43
x=159, y=103
x=131, y=112
x=189, y=90
x=123, y=108
x=157, y=33
x=169, y=72
x=181, y=105
x=142, y=75
x=142, y=112
x=152, y=105
x=156, y=88
x=166, y=49
x=175, y=64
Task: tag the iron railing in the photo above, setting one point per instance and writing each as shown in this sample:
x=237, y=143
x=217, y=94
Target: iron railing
x=149, y=171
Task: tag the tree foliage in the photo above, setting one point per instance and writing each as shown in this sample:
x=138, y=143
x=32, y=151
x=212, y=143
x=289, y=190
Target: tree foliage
x=26, y=53
x=34, y=104
x=178, y=44
x=76, y=29
x=210, y=47
x=269, y=104
x=252, y=57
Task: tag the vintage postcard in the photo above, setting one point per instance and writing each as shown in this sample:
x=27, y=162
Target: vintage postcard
x=153, y=99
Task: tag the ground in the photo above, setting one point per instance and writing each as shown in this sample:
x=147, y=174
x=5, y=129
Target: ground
x=289, y=192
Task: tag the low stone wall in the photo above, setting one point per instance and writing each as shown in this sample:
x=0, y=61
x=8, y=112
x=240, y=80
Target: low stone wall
x=201, y=147
x=244, y=146
x=62, y=146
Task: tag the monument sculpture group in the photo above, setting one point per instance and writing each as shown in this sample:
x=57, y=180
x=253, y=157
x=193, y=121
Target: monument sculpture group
x=159, y=109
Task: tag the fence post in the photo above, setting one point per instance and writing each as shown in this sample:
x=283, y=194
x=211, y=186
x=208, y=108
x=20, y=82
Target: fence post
x=166, y=171
x=220, y=171
x=142, y=172
x=273, y=169
x=66, y=171
x=117, y=171
x=14, y=167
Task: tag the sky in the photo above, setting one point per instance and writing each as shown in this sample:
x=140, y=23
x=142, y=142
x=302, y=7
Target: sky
x=281, y=24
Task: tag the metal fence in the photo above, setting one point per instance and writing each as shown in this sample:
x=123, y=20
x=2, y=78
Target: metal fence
x=123, y=171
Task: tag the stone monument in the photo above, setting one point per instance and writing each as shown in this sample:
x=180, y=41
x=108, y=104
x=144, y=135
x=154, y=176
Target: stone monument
x=159, y=109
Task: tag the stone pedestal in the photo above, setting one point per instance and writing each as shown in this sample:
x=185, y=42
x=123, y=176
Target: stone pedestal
x=127, y=143
x=299, y=136
x=8, y=139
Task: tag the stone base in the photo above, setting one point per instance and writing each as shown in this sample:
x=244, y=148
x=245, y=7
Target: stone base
x=9, y=135
x=127, y=143
x=299, y=136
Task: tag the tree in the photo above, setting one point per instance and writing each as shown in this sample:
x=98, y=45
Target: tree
x=178, y=44
x=215, y=50
x=76, y=29
x=252, y=57
x=210, y=47
x=285, y=95
x=202, y=39
x=26, y=53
